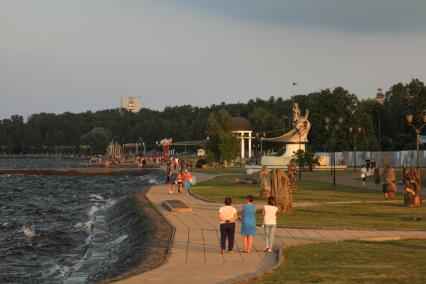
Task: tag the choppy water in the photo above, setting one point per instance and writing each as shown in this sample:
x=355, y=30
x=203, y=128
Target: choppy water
x=46, y=224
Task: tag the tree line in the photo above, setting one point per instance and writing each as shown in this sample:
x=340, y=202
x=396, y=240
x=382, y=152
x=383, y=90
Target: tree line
x=271, y=117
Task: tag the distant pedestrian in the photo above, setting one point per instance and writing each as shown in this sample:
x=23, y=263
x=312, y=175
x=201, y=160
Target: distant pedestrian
x=227, y=216
x=187, y=181
x=169, y=178
x=376, y=173
x=363, y=174
x=270, y=222
x=248, y=226
x=179, y=181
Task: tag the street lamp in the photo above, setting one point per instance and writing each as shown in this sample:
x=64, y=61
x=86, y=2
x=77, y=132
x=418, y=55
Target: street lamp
x=380, y=99
x=358, y=131
x=333, y=127
x=260, y=137
x=305, y=124
x=409, y=118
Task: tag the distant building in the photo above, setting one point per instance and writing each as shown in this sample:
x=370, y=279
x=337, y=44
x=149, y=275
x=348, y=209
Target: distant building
x=132, y=104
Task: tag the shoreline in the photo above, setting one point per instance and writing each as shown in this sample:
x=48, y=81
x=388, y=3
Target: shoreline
x=153, y=252
x=89, y=171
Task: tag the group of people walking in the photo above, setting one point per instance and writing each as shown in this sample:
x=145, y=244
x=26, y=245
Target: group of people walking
x=179, y=177
x=228, y=216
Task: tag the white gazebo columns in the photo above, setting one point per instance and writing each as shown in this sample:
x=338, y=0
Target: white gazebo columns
x=243, y=135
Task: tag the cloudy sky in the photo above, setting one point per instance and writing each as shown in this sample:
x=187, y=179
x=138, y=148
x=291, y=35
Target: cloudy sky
x=80, y=55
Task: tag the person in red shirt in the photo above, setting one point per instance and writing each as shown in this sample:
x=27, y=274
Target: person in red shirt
x=187, y=181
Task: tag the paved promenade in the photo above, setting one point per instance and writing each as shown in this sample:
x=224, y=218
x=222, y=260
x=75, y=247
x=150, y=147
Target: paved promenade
x=195, y=256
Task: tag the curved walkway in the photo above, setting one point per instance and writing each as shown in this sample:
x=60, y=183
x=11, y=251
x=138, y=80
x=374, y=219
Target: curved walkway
x=195, y=253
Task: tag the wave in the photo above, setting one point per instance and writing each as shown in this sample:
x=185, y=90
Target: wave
x=52, y=225
x=29, y=232
x=85, y=226
x=96, y=198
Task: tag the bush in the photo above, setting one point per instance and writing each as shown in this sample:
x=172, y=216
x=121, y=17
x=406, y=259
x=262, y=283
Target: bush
x=200, y=163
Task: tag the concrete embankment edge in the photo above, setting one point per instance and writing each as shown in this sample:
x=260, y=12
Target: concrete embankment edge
x=162, y=237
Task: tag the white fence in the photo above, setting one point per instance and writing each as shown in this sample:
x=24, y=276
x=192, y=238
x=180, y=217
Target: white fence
x=396, y=158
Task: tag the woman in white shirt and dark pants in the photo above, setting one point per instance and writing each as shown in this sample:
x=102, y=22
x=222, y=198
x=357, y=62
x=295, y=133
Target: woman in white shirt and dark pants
x=227, y=216
x=270, y=222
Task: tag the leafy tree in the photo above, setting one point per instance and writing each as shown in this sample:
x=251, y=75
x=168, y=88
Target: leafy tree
x=44, y=131
x=305, y=159
x=263, y=120
x=222, y=144
x=98, y=139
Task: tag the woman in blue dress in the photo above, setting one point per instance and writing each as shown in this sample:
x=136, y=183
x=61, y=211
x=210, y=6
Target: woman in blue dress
x=248, y=226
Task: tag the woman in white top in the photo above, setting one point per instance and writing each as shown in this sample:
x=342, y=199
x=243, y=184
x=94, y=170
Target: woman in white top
x=227, y=216
x=363, y=174
x=270, y=222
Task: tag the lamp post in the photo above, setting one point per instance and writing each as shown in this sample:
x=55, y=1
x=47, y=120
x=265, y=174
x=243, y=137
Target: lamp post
x=258, y=146
x=333, y=127
x=380, y=99
x=358, y=131
x=409, y=119
x=305, y=124
x=260, y=136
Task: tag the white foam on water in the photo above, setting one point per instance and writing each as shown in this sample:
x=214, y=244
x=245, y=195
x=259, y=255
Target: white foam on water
x=89, y=227
x=96, y=197
x=92, y=210
x=118, y=240
x=66, y=270
x=63, y=271
x=85, y=226
x=29, y=232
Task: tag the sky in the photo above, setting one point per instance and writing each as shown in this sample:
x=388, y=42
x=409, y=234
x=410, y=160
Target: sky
x=80, y=55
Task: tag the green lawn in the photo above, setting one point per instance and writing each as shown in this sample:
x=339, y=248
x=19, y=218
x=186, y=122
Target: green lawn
x=220, y=171
x=310, y=190
x=353, y=262
x=384, y=215
x=217, y=189
x=380, y=214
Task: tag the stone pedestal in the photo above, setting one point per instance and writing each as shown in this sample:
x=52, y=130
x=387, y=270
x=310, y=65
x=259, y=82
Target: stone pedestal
x=284, y=160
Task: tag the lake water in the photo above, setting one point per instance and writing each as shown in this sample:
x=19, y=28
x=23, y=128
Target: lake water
x=46, y=223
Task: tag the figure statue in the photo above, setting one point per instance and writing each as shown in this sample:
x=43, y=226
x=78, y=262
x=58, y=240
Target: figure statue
x=412, y=195
x=389, y=183
x=306, y=114
x=292, y=172
x=265, y=183
x=296, y=113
